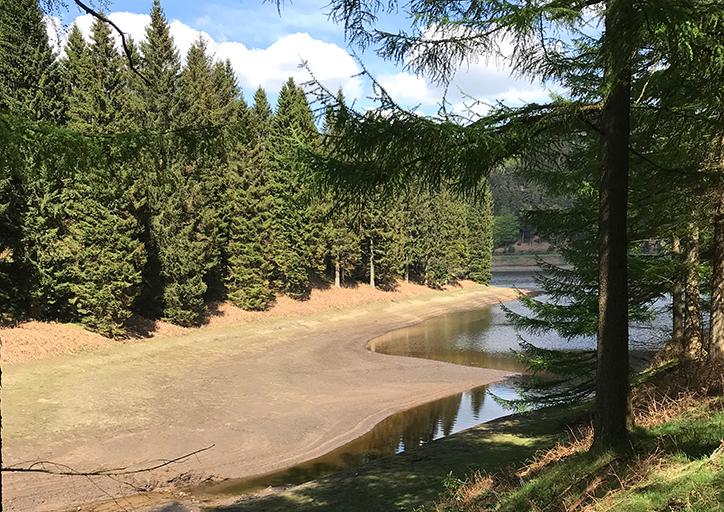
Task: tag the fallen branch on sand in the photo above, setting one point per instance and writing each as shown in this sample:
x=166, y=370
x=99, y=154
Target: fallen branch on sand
x=39, y=467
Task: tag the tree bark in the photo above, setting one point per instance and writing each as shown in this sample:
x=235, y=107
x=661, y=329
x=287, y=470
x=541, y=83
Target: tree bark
x=677, y=303
x=372, y=263
x=716, y=338
x=692, y=320
x=337, y=274
x=612, y=378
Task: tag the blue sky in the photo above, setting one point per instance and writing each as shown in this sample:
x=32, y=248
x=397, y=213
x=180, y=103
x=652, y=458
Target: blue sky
x=265, y=47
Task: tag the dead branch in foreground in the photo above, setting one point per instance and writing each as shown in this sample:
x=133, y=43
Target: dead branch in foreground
x=39, y=467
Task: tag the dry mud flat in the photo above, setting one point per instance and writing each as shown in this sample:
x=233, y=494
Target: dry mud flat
x=266, y=395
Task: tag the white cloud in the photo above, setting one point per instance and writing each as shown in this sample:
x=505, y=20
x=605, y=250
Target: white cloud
x=488, y=80
x=53, y=27
x=408, y=88
x=267, y=67
x=270, y=67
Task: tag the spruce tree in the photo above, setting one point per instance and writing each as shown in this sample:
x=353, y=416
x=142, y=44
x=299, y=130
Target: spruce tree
x=338, y=242
x=249, y=264
x=480, y=236
x=30, y=88
x=292, y=127
x=232, y=107
x=30, y=81
x=182, y=250
x=437, y=240
x=76, y=71
x=174, y=284
x=79, y=237
x=204, y=107
x=200, y=99
x=96, y=75
x=109, y=257
x=161, y=66
x=380, y=228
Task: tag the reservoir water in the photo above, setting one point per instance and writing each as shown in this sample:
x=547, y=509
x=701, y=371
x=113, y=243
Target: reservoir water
x=482, y=337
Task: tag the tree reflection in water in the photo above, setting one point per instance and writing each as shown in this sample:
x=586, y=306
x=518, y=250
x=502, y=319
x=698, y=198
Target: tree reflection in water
x=400, y=432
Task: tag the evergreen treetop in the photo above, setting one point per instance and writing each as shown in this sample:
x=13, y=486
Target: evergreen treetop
x=30, y=81
x=161, y=66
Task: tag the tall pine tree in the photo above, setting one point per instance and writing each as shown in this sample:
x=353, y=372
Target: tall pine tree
x=292, y=128
x=101, y=200
x=480, y=235
x=30, y=81
x=250, y=212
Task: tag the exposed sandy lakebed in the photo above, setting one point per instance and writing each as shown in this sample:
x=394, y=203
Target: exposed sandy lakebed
x=267, y=395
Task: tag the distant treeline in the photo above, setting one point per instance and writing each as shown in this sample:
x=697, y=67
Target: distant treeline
x=159, y=192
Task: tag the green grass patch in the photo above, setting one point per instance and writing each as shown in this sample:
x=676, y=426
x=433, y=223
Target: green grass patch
x=677, y=465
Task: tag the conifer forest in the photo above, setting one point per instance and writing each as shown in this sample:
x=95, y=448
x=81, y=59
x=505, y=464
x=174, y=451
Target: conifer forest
x=161, y=191
x=449, y=256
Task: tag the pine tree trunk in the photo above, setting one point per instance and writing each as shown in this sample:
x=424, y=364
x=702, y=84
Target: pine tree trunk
x=692, y=321
x=372, y=263
x=407, y=272
x=612, y=379
x=716, y=339
x=677, y=304
x=337, y=274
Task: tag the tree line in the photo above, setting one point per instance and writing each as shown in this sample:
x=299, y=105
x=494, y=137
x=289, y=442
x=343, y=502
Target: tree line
x=156, y=194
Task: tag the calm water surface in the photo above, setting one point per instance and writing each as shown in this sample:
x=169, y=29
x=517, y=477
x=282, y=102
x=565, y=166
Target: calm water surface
x=482, y=338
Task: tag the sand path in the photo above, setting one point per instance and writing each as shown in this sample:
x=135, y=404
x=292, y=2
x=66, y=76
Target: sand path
x=267, y=395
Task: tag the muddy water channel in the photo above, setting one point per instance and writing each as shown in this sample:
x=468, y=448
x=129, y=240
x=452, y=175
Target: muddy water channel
x=482, y=338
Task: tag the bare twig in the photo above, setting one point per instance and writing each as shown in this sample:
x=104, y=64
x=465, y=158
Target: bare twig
x=69, y=471
x=124, y=43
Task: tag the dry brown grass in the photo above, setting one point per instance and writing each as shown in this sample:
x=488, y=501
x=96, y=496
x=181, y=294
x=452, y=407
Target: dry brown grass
x=579, y=439
x=466, y=496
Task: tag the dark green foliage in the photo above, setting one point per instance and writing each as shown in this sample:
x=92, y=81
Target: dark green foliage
x=201, y=104
x=78, y=245
x=30, y=81
x=292, y=128
x=480, y=236
x=515, y=193
x=439, y=243
x=183, y=250
x=108, y=255
x=209, y=97
x=95, y=81
x=250, y=206
x=30, y=88
x=505, y=230
x=189, y=223
x=159, y=198
x=338, y=238
x=161, y=66
x=381, y=243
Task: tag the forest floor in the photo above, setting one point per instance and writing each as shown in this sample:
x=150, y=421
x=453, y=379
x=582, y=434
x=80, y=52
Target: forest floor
x=265, y=394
